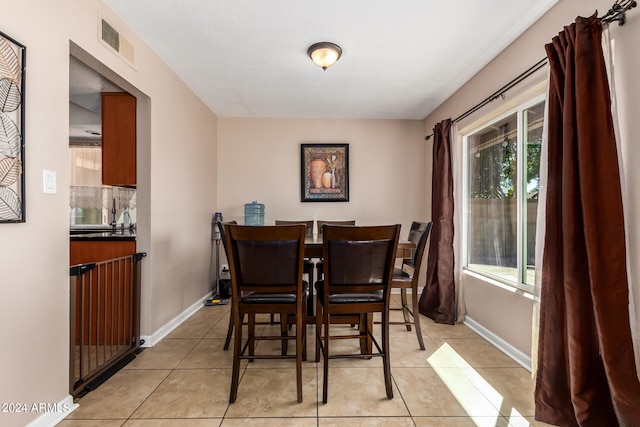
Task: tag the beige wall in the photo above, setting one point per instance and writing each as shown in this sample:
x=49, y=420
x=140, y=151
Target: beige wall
x=260, y=160
x=179, y=151
x=505, y=313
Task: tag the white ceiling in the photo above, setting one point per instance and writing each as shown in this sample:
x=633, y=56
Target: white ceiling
x=401, y=59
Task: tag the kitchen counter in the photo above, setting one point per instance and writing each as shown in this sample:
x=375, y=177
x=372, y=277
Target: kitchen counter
x=118, y=235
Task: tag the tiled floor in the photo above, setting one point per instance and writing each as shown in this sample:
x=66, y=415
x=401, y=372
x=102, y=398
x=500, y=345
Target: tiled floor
x=460, y=380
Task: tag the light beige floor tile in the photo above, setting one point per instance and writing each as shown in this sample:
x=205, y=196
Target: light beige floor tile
x=120, y=395
x=219, y=330
x=405, y=351
x=440, y=331
x=272, y=393
x=208, y=354
x=167, y=354
x=215, y=311
x=90, y=423
x=443, y=356
x=476, y=353
x=348, y=346
x=180, y=422
x=366, y=422
x=444, y=392
x=460, y=422
x=509, y=389
x=274, y=348
x=193, y=393
x=270, y=422
x=516, y=421
x=359, y=392
x=199, y=324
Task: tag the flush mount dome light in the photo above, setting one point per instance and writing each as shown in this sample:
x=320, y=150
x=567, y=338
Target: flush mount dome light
x=324, y=54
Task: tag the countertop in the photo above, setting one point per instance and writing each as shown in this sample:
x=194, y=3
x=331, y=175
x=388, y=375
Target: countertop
x=119, y=234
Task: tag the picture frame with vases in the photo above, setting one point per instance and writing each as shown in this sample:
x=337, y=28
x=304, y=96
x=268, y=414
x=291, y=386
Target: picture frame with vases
x=12, y=111
x=324, y=172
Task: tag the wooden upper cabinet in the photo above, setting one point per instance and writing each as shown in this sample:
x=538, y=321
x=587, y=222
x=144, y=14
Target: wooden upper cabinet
x=118, y=139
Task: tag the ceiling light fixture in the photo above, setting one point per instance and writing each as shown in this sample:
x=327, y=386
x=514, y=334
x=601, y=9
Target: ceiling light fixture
x=324, y=54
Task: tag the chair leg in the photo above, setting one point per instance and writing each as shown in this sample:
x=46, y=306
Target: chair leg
x=300, y=352
x=416, y=315
x=325, y=353
x=303, y=322
x=318, y=338
x=284, y=328
x=227, y=340
x=385, y=358
x=405, y=308
x=365, y=326
x=252, y=335
x=235, y=374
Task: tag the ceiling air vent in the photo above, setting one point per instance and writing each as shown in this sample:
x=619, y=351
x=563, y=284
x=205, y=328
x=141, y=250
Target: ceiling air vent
x=121, y=45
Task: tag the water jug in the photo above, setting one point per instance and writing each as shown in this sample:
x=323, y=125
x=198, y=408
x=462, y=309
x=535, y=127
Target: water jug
x=254, y=213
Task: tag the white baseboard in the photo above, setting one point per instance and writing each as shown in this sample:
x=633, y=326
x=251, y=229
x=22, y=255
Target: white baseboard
x=61, y=411
x=164, y=330
x=518, y=356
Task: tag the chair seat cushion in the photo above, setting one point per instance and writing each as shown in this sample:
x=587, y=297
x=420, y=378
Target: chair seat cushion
x=272, y=297
x=350, y=297
x=268, y=298
x=399, y=275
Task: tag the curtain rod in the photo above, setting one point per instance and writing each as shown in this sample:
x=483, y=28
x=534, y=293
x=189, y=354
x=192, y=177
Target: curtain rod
x=615, y=13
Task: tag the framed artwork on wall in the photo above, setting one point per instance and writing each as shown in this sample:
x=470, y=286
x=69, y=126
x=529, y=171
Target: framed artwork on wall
x=324, y=172
x=12, y=188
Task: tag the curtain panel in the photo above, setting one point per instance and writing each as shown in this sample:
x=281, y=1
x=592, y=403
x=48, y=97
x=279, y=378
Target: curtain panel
x=586, y=374
x=438, y=299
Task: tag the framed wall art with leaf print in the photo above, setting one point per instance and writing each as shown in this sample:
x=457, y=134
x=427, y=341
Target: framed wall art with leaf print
x=12, y=187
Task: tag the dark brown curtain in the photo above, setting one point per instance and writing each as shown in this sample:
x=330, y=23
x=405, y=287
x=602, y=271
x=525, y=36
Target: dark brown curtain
x=586, y=370
x=438, y=296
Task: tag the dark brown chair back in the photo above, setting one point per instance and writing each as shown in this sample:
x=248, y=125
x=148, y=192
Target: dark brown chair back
x=321, y=223
x=222, y=235
x=418, y=234
x=359, y=258
x=266, y=258
x=308, y=225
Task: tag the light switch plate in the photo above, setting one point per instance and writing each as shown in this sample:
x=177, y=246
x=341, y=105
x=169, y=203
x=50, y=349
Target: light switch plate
x=49, y=182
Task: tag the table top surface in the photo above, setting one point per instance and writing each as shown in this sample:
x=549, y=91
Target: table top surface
x=404, y=244
x=313, y=247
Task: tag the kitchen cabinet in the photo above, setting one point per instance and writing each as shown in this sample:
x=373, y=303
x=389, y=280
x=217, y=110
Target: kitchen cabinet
x=87, y=251
x=118, y=139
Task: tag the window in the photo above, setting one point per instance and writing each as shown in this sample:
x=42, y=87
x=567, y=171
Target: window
x=502, y=182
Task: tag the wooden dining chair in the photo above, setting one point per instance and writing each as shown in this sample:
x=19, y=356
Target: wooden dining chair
x=271, y=320
x=359, y=263
x=406, y=277
x=221, y=225
x=266, y=277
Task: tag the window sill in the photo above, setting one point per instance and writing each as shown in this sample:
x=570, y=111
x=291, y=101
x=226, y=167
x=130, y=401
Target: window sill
x=523, y=290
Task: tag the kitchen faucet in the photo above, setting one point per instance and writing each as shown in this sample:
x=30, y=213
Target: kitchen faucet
x=132, y=225
x=113, y=222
